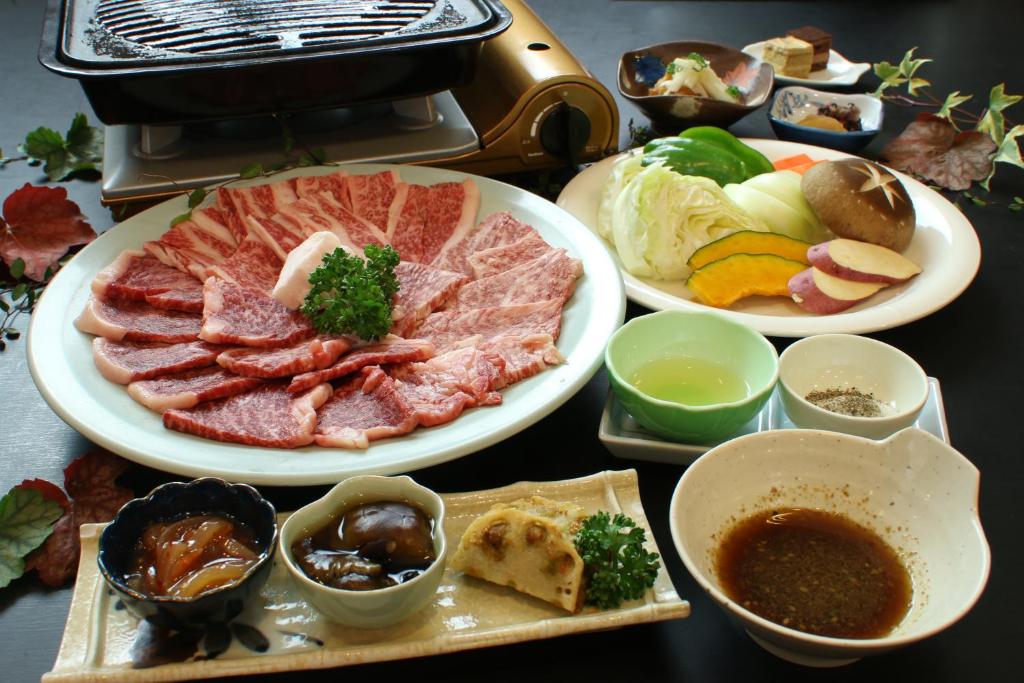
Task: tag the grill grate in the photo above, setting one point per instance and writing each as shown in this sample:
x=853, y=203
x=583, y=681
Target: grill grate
x=225, y=27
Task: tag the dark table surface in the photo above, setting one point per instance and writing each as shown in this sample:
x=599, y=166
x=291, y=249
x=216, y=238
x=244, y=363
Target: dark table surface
x=972, y=345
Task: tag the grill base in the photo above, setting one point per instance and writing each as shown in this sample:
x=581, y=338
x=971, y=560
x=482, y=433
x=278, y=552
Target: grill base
x=207, y=155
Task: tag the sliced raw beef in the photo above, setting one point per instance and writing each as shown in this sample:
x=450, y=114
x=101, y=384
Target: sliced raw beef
x=441, y=388
x=189, y=388
x=266, y=416
x=124, y=362
x=253, y=265
x=214, y=221
x=423, y=219
x=246, y=317
x=496, y=260
x=190, y=249
x=370, y=196
x=305, y=356
x=391, y=349
x=136, y=321
x=523, y=357
x=448, y=328
x=495, y=230
x=333, y=184
x=365, y=409
x=135, y=276
x=552, y=276
x=280, y=234
x=260, y=201
x=350, y=228
x=422, y=290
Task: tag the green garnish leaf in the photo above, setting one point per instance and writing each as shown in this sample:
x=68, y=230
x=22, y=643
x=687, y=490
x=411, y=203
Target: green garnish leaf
x=196, y=197
x=699, y=60
x=26, y=519
x=181, y=218
x=671, y=68
x=353, y=296
x=253, y=170
x=733, y=91
x=81, y=151
x=616, y=564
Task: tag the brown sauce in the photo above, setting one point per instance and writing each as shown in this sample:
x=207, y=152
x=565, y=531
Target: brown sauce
x=192, y=555
x=816, y=572
x=369, y=546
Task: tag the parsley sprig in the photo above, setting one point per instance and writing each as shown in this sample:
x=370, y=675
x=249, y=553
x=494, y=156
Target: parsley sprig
x=615, y=562
x=353, y=296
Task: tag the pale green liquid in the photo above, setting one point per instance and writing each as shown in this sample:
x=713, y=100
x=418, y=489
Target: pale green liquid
x=688, y=380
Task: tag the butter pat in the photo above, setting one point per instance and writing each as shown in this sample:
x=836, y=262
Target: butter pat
x=293, y=284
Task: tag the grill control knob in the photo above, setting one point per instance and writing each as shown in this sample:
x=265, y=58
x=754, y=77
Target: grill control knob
x=565, y=131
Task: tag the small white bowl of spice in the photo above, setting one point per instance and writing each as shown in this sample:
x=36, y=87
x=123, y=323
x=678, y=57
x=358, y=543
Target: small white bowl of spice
x=846, y=383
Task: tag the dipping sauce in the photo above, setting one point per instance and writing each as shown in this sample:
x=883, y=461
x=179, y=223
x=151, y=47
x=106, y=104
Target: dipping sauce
x=816, y=572
x=369, y=546
x=689, y=380
x=192, y=555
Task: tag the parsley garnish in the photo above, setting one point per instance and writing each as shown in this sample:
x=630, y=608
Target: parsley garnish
x=615, y=562
x=733, y=91
x=353, y=296
x=671, y=68
x=699, y=60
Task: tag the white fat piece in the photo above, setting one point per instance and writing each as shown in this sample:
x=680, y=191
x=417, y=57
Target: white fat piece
x=293, y=284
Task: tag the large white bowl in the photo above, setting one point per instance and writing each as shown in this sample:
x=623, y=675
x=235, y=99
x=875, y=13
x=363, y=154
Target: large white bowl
x=846, y=361
x=916, y=492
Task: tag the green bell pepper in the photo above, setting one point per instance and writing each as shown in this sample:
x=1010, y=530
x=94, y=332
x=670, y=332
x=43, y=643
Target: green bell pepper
x=710, y=152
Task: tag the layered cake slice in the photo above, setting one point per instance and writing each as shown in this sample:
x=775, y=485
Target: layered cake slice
x=819, y=40
x=790, y=56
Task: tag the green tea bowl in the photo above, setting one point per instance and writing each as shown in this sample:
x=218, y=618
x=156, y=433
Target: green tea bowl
x=703, y=338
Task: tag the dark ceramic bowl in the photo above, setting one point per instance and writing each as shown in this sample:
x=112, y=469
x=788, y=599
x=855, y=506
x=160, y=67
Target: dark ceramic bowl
x=673, y=113
x=174, y=501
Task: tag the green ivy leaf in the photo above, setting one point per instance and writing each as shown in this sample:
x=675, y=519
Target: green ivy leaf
x=42, y=142
x=916, y=84
x=84, y=145
x=26, y=519
x=252, y=170
x=181, y=218
x=196, y=197
x=909, y=65
x=82, y=151
x=953, y=100
x=993, y=122
x=1007, y=153
x=890, y=76
x=18, y=268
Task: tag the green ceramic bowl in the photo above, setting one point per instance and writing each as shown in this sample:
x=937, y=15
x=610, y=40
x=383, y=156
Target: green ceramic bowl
x=706, y=337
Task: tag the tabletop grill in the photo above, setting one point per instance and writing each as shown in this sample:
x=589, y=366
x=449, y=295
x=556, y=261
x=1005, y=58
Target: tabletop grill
x=193, y=90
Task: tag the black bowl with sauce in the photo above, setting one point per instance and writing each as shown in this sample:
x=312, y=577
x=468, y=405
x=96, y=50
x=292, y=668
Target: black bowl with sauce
x=174, y=501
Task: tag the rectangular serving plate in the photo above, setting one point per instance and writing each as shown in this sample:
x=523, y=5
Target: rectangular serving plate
x=625, y=438
x=466, y=613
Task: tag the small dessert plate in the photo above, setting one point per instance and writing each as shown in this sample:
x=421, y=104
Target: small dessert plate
x=839, y=72
x=624, y=438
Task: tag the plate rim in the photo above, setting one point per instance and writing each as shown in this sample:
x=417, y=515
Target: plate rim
x=789, y=326
x=70, y=279
x=856, y=69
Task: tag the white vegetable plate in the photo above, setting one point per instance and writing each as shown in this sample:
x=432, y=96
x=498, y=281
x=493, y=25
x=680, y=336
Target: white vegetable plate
x=839, y=72
x=60, y=359
x=625, y=438
x=944, y=245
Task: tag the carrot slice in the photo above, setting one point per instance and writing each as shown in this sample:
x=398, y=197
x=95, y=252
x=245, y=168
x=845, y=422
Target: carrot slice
x=790, y=162
x=803, y=168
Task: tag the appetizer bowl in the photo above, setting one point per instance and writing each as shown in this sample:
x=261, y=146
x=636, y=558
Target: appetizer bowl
x=174, y=501
x=850, y=362
x=914, y=491
x=367, y=608
x=706, y=338
x=793, y=103
x=672, y=113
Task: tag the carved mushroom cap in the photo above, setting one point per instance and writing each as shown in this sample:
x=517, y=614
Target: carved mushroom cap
x=861, y=200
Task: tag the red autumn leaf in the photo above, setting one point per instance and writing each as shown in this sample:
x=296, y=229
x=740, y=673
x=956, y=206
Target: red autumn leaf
x=39, y=225
x=94, y=498
x=932, y=148
x=48, y=490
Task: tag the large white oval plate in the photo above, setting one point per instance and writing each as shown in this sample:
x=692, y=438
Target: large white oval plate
x=944, y=245
x=60, y=359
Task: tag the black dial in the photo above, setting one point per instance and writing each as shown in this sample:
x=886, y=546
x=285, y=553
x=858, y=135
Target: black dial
x=565, y=131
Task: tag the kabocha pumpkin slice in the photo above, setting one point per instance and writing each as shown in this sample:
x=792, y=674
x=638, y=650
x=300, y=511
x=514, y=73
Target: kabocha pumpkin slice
x=723, y=282
x=750, y=242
